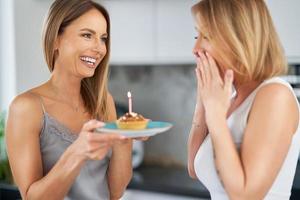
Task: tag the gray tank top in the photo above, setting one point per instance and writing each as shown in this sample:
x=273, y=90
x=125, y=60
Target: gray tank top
x=91, y=183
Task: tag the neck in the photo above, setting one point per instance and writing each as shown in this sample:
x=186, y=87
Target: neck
x=66, y=87
x=245, y=89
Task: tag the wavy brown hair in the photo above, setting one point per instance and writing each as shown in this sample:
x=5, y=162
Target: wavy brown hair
x=244, y=37
x=93, y=89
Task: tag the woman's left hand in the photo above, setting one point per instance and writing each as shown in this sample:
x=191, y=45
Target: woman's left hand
x=215, y=92
x=141, y=138
x=125, y=141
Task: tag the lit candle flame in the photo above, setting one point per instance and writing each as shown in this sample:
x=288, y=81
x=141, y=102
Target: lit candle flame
x=129, y=94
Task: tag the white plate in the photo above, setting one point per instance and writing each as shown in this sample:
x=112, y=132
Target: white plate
x=153, y=128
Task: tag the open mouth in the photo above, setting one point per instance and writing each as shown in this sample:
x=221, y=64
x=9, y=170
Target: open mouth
x=89, y=60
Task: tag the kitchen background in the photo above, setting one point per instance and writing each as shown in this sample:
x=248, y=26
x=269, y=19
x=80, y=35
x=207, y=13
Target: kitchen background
x=152, y=41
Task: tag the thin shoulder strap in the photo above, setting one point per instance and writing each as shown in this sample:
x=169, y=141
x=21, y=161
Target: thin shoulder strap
x=41, y=101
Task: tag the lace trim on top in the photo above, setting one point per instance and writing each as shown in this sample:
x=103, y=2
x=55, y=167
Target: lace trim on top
x=55, y=127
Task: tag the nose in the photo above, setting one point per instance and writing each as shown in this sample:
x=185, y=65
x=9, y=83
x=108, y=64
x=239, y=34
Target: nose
x=197, y=47
x=99, y=46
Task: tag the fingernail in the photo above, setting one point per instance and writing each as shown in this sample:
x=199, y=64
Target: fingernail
x=100, y=123
x=229, y=74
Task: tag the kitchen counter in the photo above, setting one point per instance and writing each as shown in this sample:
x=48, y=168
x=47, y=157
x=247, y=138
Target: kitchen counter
x=167, y=180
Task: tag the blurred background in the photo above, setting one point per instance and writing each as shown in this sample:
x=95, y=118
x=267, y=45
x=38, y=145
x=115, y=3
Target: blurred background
x=151, y=56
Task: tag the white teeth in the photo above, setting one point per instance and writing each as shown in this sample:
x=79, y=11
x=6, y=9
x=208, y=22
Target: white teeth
x=88, y=59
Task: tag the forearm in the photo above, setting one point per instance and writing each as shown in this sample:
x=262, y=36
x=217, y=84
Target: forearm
x=197, y=134
x=228, y=161
x=119, y=177
x=56, y=184
x=195, y=140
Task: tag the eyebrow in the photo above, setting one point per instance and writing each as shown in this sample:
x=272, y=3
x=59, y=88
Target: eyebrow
x=92, y=31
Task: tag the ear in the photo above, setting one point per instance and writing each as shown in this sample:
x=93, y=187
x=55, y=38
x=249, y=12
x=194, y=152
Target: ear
x=56, y=43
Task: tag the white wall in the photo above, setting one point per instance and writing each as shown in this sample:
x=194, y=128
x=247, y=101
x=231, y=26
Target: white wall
x=285, y=14
x=31, y=68
x=30, y=64
x=1, y=52
x=7, y=54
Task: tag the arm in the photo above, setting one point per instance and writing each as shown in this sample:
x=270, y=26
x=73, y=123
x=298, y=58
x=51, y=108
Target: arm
x=271, y=124
x=22, y=135
x=272, y=121
x=197, y=135
x=118, y=177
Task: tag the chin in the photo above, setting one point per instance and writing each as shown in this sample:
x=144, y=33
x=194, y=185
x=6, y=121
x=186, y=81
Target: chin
x=86, y=74
x=89, y=75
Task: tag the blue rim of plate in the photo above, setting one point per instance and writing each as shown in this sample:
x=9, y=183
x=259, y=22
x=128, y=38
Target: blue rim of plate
x=151, y=124
x=152, y=127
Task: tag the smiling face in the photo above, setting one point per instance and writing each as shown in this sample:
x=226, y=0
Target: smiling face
x=82, y=45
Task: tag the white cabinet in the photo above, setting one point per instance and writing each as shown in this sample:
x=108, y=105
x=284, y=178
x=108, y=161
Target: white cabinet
x=132, y=31
x=175, y=31
x=151, y=31
x=143, y=195
x=286, y=17
x=162, y=31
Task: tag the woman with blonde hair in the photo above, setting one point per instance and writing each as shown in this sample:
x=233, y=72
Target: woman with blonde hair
x=52, y=149
x=245, y=138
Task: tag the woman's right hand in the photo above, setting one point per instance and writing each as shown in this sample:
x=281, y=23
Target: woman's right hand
x=94, y=146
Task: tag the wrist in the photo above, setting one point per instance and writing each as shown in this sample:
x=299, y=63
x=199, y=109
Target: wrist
x=77, y=156
x=122, y=144
x=216, y=124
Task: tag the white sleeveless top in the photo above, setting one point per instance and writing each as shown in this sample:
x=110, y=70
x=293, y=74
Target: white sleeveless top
x=204, y=161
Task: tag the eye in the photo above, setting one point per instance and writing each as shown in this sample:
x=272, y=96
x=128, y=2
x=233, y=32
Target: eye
x=87, y=35
x=104, y=39
x=196, y=37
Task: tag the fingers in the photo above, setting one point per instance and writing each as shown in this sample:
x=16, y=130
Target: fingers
x=94, y=146
x=228, y=80
x=105, y=137
x=91, y=125
x=206, y=67
x=201, y=78
x=198, y=75
x=213, y=67
x=98, y=154
x=141, y=138
x=98, y=144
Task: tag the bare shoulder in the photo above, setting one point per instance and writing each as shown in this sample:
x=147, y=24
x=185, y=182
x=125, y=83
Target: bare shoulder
x=25, y=110
x=276, y=94
x=275, y=102
x=26, y=102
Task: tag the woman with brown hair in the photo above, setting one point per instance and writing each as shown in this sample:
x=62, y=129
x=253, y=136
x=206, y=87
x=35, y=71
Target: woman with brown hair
x=244, y=143
x=52, y=149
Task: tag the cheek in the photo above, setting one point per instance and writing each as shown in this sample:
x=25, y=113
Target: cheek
x=104, y=50
x=68, y=47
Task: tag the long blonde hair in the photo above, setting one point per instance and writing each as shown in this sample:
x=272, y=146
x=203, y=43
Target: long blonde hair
x=244, y=37
x=93, y=89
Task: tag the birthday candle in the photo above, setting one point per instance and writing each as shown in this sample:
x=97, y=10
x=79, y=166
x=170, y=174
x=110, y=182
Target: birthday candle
x=129, y=101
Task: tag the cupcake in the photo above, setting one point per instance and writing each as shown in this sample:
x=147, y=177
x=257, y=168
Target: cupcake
x=132, y=121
